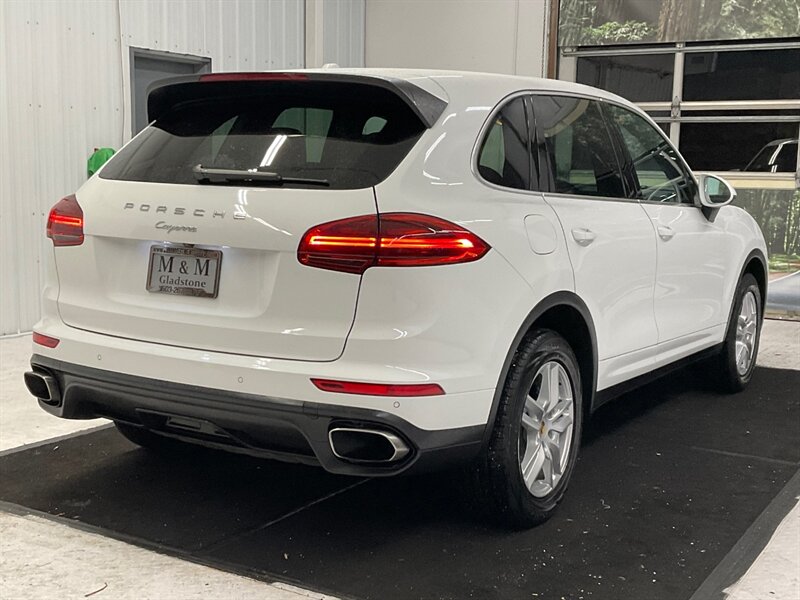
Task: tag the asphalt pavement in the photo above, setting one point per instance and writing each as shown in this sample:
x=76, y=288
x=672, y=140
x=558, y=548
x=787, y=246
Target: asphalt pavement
x=783, y=295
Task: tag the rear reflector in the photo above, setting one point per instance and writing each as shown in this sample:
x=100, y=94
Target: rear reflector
x=45, y=340
x=65, y=223
x=379, y=389
x=389, y=240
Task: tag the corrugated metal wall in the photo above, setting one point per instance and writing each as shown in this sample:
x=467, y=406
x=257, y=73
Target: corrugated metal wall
x=65, y=89
x=344, y=32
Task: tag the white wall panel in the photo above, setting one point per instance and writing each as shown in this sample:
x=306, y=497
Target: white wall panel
x=64, y=90
x=343, y=37
x=500, y=36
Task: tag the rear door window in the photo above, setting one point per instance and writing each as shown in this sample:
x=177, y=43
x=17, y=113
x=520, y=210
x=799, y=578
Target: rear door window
x=578, y=145
x=349, y=135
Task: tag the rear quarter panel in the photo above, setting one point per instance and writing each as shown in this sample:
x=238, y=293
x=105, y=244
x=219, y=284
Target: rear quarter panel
x=496, y=294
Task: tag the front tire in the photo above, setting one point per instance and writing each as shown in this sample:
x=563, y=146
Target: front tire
x=737, y=361
x=534, y=444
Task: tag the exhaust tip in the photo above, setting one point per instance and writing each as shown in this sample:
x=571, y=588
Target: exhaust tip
x=366, y=445
x=43, y=386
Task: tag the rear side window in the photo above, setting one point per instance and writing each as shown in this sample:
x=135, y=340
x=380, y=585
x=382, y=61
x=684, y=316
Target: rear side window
x=505, y=158
x=578, y=146
x=346, y=135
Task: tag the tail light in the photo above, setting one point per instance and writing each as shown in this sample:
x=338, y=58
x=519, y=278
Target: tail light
x=406, y=390
x=389, y=240
x=65, y=223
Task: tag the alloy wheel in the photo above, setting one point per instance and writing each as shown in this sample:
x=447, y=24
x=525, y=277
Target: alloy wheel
x=746, y=330
x=546, y=432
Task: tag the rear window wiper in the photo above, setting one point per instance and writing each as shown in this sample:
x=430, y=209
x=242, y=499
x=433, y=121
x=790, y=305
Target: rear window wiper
x=258, y=176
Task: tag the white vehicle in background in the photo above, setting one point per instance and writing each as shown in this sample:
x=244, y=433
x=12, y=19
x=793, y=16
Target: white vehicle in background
x=387, y=271
x=778, y=156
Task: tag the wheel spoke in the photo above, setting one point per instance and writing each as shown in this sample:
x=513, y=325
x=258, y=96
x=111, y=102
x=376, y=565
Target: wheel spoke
x=530, y=423
x=533, y=408
x=555, y=457
x=741, y=353
x=532, y=465
x=543, y=397
x=547, y=467
x=561, y=424
x=554, y=389
x=557, y=410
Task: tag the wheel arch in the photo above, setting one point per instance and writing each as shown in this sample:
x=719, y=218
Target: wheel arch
x=756, y=265
x=566, y=314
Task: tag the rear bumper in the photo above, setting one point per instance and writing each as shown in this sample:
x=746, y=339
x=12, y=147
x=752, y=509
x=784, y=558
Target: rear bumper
x=283, y=429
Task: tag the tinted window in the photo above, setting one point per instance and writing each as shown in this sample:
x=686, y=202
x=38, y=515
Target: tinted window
x=655, y=165
x=733, y=146
x=772, y=74
x=504, y=157
x=351, y=135
x=579, y=147
x=640, y=78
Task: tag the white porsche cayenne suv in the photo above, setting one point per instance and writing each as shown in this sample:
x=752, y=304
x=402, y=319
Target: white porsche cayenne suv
x=386, y=271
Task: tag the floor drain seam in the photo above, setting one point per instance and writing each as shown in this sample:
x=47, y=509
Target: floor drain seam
x=777, y=461
x=213, y=547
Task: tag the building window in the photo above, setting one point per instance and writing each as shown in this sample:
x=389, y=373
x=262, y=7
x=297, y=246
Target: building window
x=638, y=77
x=728, y=107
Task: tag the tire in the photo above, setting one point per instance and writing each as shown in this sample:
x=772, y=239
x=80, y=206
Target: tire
x=500, y=486
x=150, y=441
x=742, y=337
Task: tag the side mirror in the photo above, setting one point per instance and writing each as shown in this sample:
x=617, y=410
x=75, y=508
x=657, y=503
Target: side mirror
x=714, y=192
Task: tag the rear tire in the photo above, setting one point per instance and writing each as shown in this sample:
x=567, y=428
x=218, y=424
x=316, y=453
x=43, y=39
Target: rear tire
x=737, y=360
x=533, y=448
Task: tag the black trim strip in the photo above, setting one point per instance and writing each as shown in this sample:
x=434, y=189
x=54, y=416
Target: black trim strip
x=608, y=394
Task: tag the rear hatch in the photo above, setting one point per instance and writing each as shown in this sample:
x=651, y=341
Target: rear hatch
x=192, y=230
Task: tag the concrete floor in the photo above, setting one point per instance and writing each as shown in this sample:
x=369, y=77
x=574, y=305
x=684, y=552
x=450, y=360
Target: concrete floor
x=21, y=419
x=42, y=558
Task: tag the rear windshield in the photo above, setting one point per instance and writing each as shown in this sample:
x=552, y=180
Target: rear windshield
x=345, y=135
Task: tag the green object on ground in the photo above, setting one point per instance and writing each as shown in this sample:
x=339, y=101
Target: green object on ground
x=98, y=158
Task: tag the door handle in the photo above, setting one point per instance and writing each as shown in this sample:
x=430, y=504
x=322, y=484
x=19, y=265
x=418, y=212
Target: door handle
x=583, y=236
x=665, y=232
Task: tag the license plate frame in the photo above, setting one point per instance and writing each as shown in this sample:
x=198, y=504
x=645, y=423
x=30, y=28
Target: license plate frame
x=178, y=282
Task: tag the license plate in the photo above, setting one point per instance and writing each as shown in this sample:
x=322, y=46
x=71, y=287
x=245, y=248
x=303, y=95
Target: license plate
x=184, y=271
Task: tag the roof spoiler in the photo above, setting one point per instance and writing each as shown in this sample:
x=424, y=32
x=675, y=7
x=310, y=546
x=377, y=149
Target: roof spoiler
x=166, y=93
